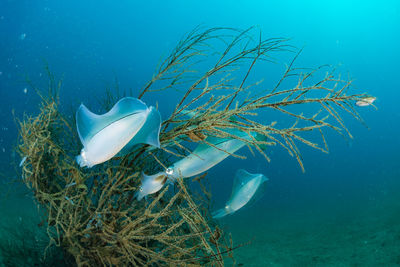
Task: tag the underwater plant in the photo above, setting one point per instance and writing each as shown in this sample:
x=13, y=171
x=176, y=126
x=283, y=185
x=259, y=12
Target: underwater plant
x=93, y=213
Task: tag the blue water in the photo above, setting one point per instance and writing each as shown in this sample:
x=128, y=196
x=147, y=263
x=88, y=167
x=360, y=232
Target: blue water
x=90, y=43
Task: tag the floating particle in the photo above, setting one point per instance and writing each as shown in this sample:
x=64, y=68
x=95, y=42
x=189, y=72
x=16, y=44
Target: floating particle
x=3, y=149
x=25, y=90
x=70, y=200
x=22, y=161
x=1, y=73
x=22, y=36
x=69, y=185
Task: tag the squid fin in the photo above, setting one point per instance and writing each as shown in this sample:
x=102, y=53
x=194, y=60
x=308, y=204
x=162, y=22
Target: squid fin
x=149, y=133
x=219, y=213
x=89, y=123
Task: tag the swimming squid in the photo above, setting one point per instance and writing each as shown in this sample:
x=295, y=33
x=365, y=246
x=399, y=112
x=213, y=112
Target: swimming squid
x=200, y=160
x=128, y=123
x=246, y=187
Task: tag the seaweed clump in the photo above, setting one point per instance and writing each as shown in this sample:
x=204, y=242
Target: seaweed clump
x=101, y=223
x=92, y=213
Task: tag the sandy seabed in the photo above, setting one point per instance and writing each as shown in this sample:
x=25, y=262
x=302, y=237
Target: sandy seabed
x=362, y=232
x=366, y=235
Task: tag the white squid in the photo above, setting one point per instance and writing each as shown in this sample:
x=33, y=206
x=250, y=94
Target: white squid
x=129, y=122
x=200, y=160
x=246, y=187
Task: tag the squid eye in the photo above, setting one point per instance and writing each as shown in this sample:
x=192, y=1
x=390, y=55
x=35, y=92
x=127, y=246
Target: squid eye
x=169, y=171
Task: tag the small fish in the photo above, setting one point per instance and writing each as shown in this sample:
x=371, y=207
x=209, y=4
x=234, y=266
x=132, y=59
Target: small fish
x=22, y=161
x=366, y=101
x=128, y=123
x=246, y=186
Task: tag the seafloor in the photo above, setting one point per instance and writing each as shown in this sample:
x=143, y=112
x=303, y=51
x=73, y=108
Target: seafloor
x=368, y=237
x=357, y=231
x=362, y=230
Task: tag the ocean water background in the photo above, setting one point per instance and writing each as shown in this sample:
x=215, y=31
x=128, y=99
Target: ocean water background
x=344, y=209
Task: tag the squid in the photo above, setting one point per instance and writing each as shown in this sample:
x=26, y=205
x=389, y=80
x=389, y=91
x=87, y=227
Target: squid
x=246, y=188
x=129, y=122
x=205, y=156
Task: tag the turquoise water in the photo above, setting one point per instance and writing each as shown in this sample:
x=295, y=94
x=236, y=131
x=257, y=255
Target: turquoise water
x=343, y=211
